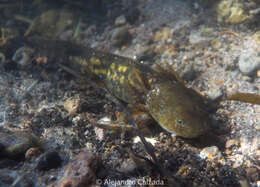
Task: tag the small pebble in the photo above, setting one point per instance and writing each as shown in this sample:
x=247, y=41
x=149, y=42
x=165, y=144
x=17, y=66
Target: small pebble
x=184, y=170
x=210, y=153
x=127, y=166
x=255, y=143
x=32, y=153
x=22, y=56
x=247, y=78
x=99, y=133
x=228, y=152
x=258, y=73
x=238, y=160
x=71, y=105
x=216, y=43
x=164, y=34
x=207, y=31
x=258, y=155
x=257, y=37
x=231, y=143
x=121, y=20
x=214, y=94
x=152, y=141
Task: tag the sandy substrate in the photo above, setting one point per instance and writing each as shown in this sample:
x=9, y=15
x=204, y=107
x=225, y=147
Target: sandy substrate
x=192, y=43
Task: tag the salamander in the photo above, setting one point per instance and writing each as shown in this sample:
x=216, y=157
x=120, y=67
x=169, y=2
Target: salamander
x=176, y=108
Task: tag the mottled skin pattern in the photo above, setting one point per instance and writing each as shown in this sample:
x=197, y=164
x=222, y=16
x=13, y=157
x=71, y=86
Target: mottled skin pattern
x=176, y=108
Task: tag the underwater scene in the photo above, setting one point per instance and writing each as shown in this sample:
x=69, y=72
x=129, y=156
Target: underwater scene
x=129, y=93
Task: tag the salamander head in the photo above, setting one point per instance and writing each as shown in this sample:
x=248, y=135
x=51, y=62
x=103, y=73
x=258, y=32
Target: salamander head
x=178, y=109
x=186, y=123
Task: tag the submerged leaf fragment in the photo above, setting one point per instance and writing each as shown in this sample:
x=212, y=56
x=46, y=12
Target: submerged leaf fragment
x=245, y=97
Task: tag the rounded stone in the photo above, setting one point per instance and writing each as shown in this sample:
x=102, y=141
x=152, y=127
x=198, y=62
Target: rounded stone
x=249, y=63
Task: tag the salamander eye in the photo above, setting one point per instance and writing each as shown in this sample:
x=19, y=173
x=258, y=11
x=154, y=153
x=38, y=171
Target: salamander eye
x=180, y=122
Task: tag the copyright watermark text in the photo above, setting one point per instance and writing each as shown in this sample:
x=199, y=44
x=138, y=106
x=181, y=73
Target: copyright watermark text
x=132, y=181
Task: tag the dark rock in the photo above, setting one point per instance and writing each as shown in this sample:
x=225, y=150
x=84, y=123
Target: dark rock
x=15, y=144
x=2, y=151
x=252, y=174
x=132, y=15
x=81, y=171
x=7, y=163
x=49, y=160
x=120, y=36
x=229, y=181
x=8, y=65
x=189, y=73
x=146, y=55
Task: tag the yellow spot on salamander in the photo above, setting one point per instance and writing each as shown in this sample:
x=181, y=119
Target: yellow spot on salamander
x=79, y=60
x=115, y=76
x=113, y=66
x=98, y=61
x=108, y=73
x=122, y=68
x=94, y=60
x=100, y=71
x=122, y=79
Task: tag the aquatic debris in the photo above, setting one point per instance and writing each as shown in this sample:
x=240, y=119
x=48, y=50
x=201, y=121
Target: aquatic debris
x=231, y=12
x=50, y=23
